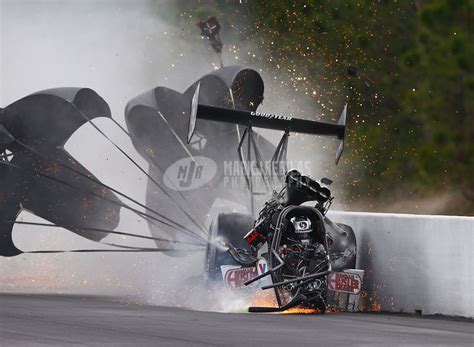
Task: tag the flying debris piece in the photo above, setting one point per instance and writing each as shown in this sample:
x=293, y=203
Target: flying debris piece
x=205, y=174
x=33, y=166
x=352, y=70
x=211, y=29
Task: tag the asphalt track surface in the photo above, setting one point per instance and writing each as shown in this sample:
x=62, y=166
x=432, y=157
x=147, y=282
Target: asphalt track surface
x=68, y=320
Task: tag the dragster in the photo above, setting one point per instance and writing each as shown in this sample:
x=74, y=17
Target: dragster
x=297, y=246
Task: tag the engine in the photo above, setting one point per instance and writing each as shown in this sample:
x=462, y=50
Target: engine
x=300, y=249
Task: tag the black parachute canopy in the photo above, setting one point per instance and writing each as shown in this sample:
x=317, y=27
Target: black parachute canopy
x=35, y=129
x=199, y=174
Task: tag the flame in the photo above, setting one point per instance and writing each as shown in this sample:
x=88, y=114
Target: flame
x=375, y=307
x=264, y=299
x=267, y=299
x=301, y=310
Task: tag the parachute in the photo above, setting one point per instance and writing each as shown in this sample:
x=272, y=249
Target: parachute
x=191, y=178
x=33, y=132
x=38, y=175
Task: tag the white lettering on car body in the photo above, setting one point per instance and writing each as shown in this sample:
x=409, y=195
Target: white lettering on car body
x=270, y=116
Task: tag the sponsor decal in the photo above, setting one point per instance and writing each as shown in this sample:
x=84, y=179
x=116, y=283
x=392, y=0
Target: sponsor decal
x=261, y=266
x=344, y=282
x=270, y=116
x=188, y=174
x=198, y=141
x=235, y=278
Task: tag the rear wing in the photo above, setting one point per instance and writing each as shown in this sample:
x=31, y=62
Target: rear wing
x=267, y=121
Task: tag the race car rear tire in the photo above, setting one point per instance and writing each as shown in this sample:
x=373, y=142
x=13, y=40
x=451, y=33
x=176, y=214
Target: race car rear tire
x=351, y=263
x=224, y=229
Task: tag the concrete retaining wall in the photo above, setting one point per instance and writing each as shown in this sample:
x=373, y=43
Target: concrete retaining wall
x=415, y=263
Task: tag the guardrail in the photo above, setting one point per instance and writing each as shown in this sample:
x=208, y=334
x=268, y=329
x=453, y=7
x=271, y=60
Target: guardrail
x=414, y=263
